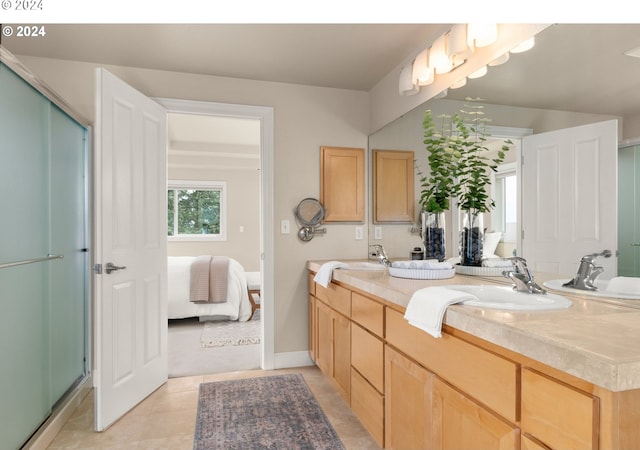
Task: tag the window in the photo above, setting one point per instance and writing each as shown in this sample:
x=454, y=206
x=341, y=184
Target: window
x=196, y=210
x=505, y=214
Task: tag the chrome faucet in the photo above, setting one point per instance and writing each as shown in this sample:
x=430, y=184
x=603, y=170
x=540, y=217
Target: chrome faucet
x=588, y=272
x=522, y=277
x=380, y=254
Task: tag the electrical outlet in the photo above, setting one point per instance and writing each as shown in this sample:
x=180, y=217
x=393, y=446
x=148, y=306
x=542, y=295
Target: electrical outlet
x=285, y=227
x=359, y=233
x=377, y=233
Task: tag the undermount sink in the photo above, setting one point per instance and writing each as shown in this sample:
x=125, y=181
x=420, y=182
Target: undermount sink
x=601, y=292
x=365, y=265
x=504, y=297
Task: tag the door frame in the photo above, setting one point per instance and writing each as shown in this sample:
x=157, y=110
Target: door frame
x=265, y=116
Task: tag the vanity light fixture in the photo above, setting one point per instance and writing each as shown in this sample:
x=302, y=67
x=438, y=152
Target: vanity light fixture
x=422, y=73
x=500, y=60
x=482, y=71
x=406, y=85
x=459, y=83
x=524, y=46
x=481, y=34
x=438, y=58
x=458, y=49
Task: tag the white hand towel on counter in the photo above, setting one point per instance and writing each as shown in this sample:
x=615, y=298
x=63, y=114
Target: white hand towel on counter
x=624, y=285
x=323, y=277
x=427, y=307
x=422, y=264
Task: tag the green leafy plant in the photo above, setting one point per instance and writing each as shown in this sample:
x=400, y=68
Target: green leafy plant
x=438, y=186
x=473, y=166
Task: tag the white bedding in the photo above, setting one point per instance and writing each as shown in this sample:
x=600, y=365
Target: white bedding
x=237, y=306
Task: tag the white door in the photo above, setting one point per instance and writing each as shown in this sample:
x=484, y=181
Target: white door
x=130, y=232
x=569, y=198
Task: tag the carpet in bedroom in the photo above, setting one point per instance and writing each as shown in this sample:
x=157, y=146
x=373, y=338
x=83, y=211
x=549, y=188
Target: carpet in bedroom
x=188, y=356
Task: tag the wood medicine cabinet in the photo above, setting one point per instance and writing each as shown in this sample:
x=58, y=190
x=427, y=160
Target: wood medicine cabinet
x=393, y=186
x=342, y=183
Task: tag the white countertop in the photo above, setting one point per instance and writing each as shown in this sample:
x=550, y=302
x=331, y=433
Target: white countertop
x=596, y=339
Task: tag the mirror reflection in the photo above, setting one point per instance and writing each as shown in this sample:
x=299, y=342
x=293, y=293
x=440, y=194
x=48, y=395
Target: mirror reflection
x=576, y=75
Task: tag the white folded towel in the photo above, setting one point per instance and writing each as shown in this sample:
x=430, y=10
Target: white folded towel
x=427, y=307
x=624, y=285
x=496, y=262
x=323, y=277
x=422, y=264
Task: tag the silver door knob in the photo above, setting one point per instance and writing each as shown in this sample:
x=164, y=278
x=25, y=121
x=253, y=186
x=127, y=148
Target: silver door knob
x=110, y=267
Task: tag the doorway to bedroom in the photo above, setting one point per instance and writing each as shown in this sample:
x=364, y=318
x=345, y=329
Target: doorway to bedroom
x=214, y=214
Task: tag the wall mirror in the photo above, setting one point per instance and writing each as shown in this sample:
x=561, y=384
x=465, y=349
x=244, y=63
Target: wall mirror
x=309, y=214
x=541, y=90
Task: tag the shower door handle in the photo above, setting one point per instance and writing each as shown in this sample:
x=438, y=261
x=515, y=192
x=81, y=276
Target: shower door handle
x=636, y=244
x=110, y=267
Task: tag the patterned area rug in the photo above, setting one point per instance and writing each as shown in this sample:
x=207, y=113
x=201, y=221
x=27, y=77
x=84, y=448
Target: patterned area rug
x=220, y=334
x=274, y=412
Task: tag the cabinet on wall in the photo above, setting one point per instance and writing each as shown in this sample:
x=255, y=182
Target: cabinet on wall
x=393, y=186
x=342, y=184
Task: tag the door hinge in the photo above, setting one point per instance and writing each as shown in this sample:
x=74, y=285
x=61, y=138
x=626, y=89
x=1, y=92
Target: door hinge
x=97, y=269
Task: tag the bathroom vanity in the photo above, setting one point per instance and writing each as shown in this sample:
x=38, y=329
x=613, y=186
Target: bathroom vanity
x=497, y=379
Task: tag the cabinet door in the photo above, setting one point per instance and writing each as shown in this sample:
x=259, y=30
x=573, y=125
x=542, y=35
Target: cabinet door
x=342, y=355
x=407, y=408
x=460, y=423
x=324, y=337
x=342, y=184
x=393, y=189
x=312, y=328
x=558, y=415
x=333, y=347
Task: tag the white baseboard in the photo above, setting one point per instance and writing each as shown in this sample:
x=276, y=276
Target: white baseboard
x=292, y=359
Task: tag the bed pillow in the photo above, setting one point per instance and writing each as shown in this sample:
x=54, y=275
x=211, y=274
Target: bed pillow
x=491, y=241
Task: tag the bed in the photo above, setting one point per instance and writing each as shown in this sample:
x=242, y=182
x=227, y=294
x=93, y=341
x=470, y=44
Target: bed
x=236, y=307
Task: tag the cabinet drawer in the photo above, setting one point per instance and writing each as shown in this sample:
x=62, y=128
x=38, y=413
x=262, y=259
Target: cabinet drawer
x=492, y=381
x=368, y=405
x=367, y=356
x=368, y=313
x=556, y=414
x=335, y=296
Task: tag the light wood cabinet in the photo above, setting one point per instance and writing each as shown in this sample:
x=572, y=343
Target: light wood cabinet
x=368, y=404
x=458, y=422
x=411, y=390
x=333, y=345
x=408, y=404
x=342, y=184
x=393, y=186
x=558, y=415
x=492, y=379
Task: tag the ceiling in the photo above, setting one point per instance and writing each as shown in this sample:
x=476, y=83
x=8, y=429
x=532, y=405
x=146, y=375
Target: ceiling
x=579, y=67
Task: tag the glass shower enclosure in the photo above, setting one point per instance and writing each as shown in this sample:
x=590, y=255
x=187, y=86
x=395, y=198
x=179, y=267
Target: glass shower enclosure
x=629, y=210
x=44, y=260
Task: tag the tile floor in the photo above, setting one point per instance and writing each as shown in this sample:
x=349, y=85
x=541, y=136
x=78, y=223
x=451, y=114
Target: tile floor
x=166, y=419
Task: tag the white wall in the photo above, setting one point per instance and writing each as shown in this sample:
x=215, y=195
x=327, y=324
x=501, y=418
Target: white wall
x=243, y=213
x=305, y=118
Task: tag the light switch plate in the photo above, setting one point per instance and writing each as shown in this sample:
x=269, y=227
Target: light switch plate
x=285, y=227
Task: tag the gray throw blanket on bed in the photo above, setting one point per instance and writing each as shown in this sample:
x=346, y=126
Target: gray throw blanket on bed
x=208, y=283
